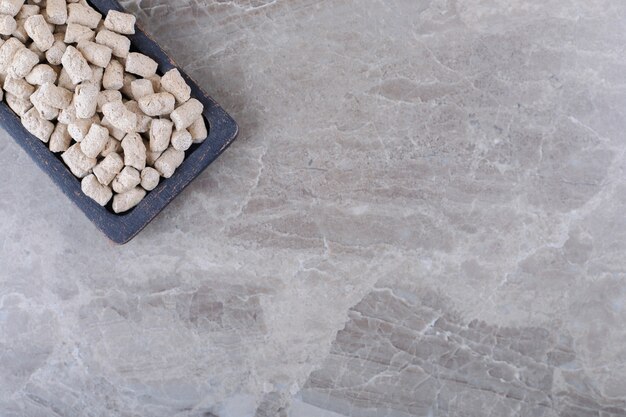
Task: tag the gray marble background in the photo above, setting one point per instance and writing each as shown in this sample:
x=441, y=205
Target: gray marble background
x=424, y=215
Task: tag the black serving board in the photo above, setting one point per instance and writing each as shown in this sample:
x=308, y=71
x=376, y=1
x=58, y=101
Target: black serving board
x=121, y=228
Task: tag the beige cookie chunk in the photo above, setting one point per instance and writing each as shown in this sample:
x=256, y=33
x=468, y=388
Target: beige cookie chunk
x=173, y=83
x=140, y=64
x=186, y=114
x=181, y=140
x=95, y=141
x=126, y=180
x=169, y=161
x=75, y=33
x=37, y=126
x=78, y=162
x=150, y=178
x=113, y=146
x=57, y=97
x=56, y=51
x=8, y=24
x=113, y=131
x=113, y=78
x=159, y=104
x=143, y=121
x=141, y=88
x=119, y=44
x=7, y=52
x=128, y=200
x=86, y=100
x=99, y=55
x=65, y=80
x=198, y=130
x=37, y=29
x=76, y=65
x=18, y=87
x=118, y=115
x=134, y=151
x=19, y=105
x=92, y=188
x=60, y=139
x=56, y=12
x=79, y=128
x=27, y=11
x=160, y=134
x=83, y=15
x=41, y=74
x=22, y=63
x=67, y=115
x=107, y=96
x=123, y=23
x=46, y=111
x=109, y=168
x=11, y=7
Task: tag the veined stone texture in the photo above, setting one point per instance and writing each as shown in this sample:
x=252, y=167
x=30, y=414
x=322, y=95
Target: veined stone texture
x=424, y=215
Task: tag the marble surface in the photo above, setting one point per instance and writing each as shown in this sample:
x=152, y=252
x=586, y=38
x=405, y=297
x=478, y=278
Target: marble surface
x=424, y=215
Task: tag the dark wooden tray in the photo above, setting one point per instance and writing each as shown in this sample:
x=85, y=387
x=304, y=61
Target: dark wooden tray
x=122, y=228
